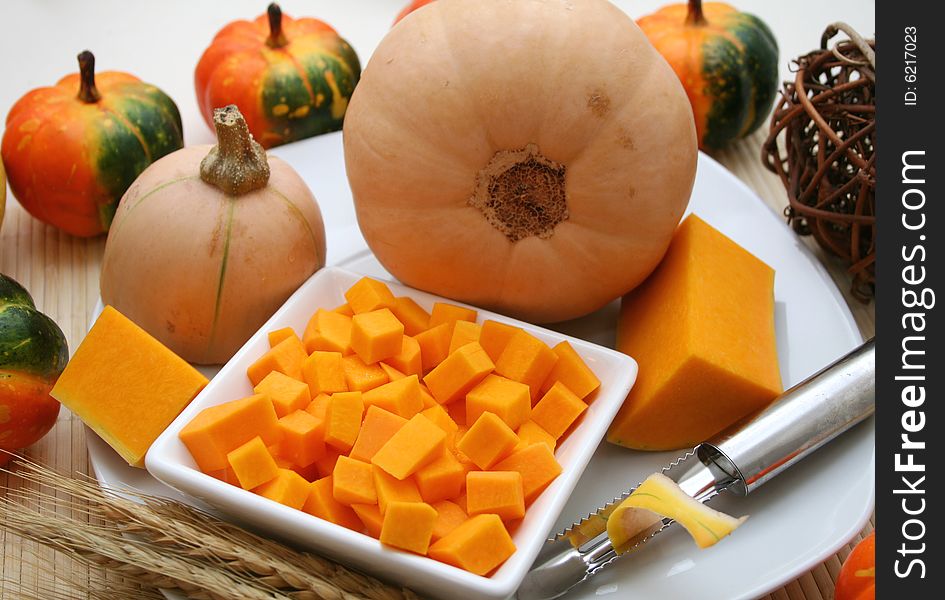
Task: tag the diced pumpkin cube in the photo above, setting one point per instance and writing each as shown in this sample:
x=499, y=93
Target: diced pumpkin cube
x=434, y=345
x=321, y=503
x=343, y=420
x=326, y=463
x=427, y=397
x=278, y=335
x=464, y=332
x=411, y=314
x=362, y=377
x=392, y=373
x=466, y=462
x=353, y=482
x=286, y=394
x=122, y=382
x=478, y=545
x=441, y=479
x=367, y=295
x=537, y=466
x=531, y=433
x=444, y=312
x=488, y=441
x=496, y=492
x=252, y=464
x=438, y=415
x=328, y=331
x=390, y=489
x=557, y=409
x=571, y=370
x=457, y=412
x=376, y=335
x=324, y=373
x=217, y=430
x=401, y=397
x=378, y=426
x=286, y=357
x=449, y=516
x=225, y=475
x=507, y=399
x=526, y=359
x=495, y=336
x=303, y=438
x=458, y=373
x=344, y=309
x=408, y=526
x=371, y=517
x=287, y=487
x=408, y=361
x=318, y=407
x=416, y=444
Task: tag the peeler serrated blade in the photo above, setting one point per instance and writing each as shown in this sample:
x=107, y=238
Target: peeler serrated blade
x=595, y=523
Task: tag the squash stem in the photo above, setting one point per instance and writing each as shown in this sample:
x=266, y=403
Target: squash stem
x=695, y=16
x=88, y=93
x=276, y=37
x=237, y=164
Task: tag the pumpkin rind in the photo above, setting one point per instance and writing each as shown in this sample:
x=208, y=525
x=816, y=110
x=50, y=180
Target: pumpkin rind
x=728, y=64
x=33, y=352
x=201, y=269
x=69, y=161
x=285, y=93
x=580, y=83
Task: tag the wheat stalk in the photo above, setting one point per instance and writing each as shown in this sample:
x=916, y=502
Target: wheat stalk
x=174, y=545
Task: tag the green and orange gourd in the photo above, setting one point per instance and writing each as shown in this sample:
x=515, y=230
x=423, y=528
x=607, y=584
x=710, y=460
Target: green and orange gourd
x=33, y=352
x=71, y=150
x=290, y=78
x=727, y=61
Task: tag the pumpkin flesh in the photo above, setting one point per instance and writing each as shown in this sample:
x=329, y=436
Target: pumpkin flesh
x=422, y=132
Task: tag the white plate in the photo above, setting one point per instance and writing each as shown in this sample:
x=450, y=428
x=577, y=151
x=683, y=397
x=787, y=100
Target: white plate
x=797, y=520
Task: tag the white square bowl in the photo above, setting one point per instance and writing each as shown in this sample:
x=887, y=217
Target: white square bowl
x=169, y=460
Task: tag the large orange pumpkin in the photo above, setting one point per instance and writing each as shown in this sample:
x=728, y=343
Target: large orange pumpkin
x=291, y=78
x=530, y=157
x=71, y=150
x=208, y=243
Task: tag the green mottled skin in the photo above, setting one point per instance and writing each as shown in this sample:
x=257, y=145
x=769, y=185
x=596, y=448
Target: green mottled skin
x=741, y=76
x=285, y=91
x=144, y=126
x=30, y=342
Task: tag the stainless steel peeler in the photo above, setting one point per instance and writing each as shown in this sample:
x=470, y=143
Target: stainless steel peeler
x=739, y=460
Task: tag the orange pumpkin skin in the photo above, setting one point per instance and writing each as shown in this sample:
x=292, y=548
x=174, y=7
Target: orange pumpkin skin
x=285, y=92
x=410, y=8
x=727, y=61
x=69, y=159
x=425, y=139
x=857, y=580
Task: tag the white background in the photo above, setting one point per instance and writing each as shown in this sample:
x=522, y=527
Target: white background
x=161, y=41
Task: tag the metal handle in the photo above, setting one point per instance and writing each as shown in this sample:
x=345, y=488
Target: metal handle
x=802, y=419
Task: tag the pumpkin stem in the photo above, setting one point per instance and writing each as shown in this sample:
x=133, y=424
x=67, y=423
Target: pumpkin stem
x=237, y=164
x=695, y=16
x=88, y=93
x=276, y=37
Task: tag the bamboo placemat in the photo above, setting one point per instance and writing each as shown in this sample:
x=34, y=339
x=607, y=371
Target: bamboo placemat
x=61, y=272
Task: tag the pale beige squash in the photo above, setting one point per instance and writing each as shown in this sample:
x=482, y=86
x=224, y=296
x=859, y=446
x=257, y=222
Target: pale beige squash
x=200, y=268
x=529, y=156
